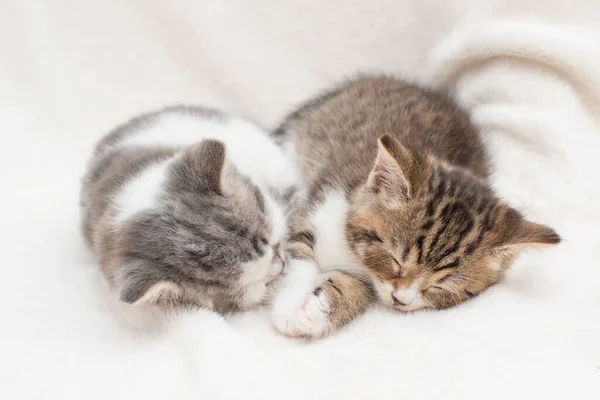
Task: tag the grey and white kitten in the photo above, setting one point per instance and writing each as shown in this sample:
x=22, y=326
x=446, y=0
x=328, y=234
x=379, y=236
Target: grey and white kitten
x=183, y=207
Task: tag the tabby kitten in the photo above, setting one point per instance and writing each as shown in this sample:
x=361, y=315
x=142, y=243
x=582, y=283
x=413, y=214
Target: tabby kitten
x=184, y=207
x=398, y=207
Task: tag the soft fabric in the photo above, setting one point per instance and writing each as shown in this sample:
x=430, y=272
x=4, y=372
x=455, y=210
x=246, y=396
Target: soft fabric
x=71, y=70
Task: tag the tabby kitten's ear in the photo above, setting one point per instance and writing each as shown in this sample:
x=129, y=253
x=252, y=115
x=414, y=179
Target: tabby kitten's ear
x=529, y=234
x=516, y=233
x=202, y=166
x=388, y=178
x=139, y=288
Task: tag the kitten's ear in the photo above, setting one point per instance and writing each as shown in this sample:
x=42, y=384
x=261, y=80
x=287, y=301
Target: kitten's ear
x=518, y=234
x=203, y=166
x=521, y=233
x=141, y=284
x=530, y=234
x=387, y=178
x=149, y=293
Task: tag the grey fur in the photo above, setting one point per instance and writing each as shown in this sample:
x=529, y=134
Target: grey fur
x=211, y=221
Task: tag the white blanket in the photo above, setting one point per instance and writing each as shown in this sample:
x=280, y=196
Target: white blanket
x=70, y=70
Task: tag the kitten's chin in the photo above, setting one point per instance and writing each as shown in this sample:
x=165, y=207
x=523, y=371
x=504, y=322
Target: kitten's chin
x=411, y=307
x=417, y=304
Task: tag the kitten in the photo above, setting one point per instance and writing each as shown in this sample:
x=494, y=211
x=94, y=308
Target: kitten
x=398, y=207
x=183, y=207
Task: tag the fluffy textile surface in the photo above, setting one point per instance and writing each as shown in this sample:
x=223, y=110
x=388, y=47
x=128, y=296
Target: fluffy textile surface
x=71, y=70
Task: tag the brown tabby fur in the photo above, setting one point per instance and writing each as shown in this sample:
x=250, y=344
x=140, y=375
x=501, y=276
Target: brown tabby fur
x=420, y=206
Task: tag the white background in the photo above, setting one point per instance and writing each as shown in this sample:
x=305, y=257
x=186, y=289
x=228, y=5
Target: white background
x=71, y=70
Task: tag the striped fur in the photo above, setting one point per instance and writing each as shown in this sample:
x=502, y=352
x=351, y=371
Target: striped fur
x=422, y=220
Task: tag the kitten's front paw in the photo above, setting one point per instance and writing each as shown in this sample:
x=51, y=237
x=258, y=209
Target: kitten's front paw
x=301, y=307
x=310, y=318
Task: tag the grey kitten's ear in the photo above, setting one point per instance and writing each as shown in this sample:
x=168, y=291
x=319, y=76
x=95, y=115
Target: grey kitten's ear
x=139, y=290
x=202, y=166
x=387, y=178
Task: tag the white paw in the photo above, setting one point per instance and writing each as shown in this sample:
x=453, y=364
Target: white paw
x=300, y=307
x=310, y=318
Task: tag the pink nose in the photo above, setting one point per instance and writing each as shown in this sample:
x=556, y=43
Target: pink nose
x=404, y=297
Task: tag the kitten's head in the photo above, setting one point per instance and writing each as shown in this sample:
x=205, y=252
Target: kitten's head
x=215, y=239
x=432, y=235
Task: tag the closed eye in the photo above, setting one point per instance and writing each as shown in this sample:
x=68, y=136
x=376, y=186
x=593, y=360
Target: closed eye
x=439, y=290
x=367, y=235
x=453, y=264
x=435, y=287
x=440, y=282
x=397, y=267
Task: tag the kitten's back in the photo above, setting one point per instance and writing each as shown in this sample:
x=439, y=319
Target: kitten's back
x=158, y=136
x=359, y=111
x=180, y=126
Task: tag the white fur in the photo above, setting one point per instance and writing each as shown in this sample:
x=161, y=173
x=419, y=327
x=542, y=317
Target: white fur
x=300, y=280
x=410, y=296
x=257, y=273
x=277, y=219
x=254, y=293
x=257, y=270
x=248, y=147
x=296, y=311
x=159, y=292
x=328, y=221
x=142, y=192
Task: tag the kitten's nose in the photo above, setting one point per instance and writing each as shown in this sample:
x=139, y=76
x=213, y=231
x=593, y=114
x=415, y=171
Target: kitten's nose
x=404, y=297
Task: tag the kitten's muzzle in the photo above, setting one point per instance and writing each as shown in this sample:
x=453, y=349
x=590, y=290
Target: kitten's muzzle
x=404, y=297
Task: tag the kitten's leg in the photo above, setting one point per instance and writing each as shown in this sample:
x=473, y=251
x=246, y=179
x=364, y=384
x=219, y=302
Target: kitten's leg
x=348, y=297
x=311, y=303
